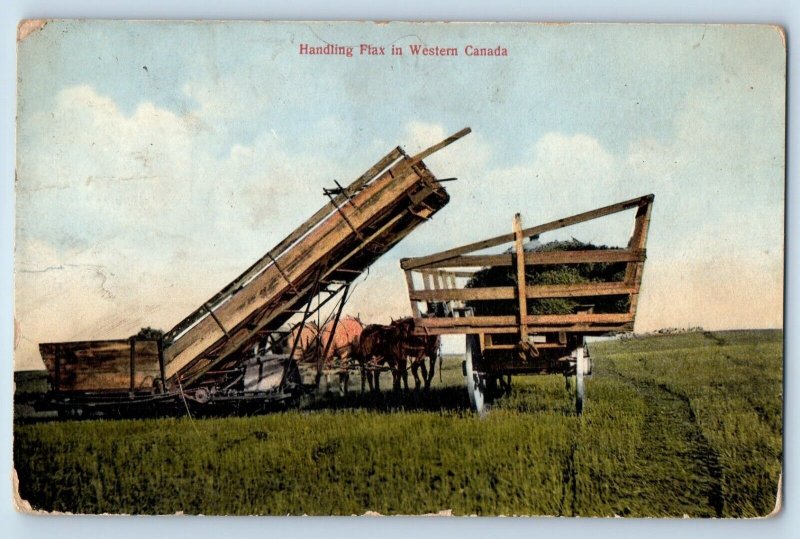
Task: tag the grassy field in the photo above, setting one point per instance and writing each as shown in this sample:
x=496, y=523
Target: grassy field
x=676, y=425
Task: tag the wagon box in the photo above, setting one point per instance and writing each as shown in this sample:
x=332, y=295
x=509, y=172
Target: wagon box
x=122, y=365
x=509, y=339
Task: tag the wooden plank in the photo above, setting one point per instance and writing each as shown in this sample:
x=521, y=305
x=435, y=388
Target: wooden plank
x=642, y=224
x=585, y=329
x=147, y=364
x=522, y=298
x=427, y=280
x=415, y=312
x=514, y=346
x=531, y=320
x=436, y=147
x=539, y=258
x=411, y=263
x=532, y=292
x=634, y=270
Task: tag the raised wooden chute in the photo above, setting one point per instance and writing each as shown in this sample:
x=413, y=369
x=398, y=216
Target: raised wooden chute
x=312, y=266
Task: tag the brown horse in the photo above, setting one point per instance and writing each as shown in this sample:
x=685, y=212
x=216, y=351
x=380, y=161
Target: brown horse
x=312, y=345
x=306, y=337
x=374, y=350
x=342, y=348
x=406, y=344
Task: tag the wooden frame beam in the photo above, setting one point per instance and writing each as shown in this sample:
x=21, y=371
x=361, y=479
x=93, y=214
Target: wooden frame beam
x=536, y=258
x=412, y=263
x=531, y=292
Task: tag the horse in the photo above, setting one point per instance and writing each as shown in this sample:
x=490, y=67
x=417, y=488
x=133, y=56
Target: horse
x=406, y=344
x=343, y=346
x=374, y=349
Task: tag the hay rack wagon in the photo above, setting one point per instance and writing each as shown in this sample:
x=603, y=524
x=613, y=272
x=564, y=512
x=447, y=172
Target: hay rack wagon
x=529, y=325
x=225, y=351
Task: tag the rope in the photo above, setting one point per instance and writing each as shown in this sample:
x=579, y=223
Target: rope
x=186, y=404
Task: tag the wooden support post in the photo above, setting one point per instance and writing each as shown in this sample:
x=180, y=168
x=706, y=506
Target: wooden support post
x=633, y=271
x=307, y=312
x=453, y=280
x=428, y=278
x=414, y=305
x=521, y=290
x=321, y=359
x=161, y=364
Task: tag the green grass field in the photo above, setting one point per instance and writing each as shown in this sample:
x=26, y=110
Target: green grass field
x=676, y=425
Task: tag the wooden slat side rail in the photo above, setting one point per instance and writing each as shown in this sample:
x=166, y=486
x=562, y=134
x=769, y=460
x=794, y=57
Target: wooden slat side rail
x=540, y=258
x=532, y=292
x=530, y=320
x=412, y=263
x=410, y=283
x=287, y=242
x=586, y=329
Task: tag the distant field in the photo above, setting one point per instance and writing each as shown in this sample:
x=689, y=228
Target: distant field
x=675, y=425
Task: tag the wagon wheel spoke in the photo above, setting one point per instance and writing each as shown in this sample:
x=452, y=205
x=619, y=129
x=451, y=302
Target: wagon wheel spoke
x=477, y=387
x=581, y=369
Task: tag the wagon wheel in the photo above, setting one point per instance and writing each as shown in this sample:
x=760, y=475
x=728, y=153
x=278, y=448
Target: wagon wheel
x=478, y=384
x=581, y=368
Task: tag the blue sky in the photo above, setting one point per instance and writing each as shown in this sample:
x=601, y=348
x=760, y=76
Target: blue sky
x=156, y=161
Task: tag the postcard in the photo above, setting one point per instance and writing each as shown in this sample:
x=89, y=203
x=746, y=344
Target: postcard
x=359, y=268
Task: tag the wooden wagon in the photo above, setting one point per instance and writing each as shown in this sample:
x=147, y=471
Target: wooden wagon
x=511, y=340
x=223, y=350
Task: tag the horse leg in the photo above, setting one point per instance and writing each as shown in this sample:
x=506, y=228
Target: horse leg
x=415, y=372
x=344, y=373
x=363, y=379
x=424, y=370
x=429, y=377
x=397, y=376
x=404, y=373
